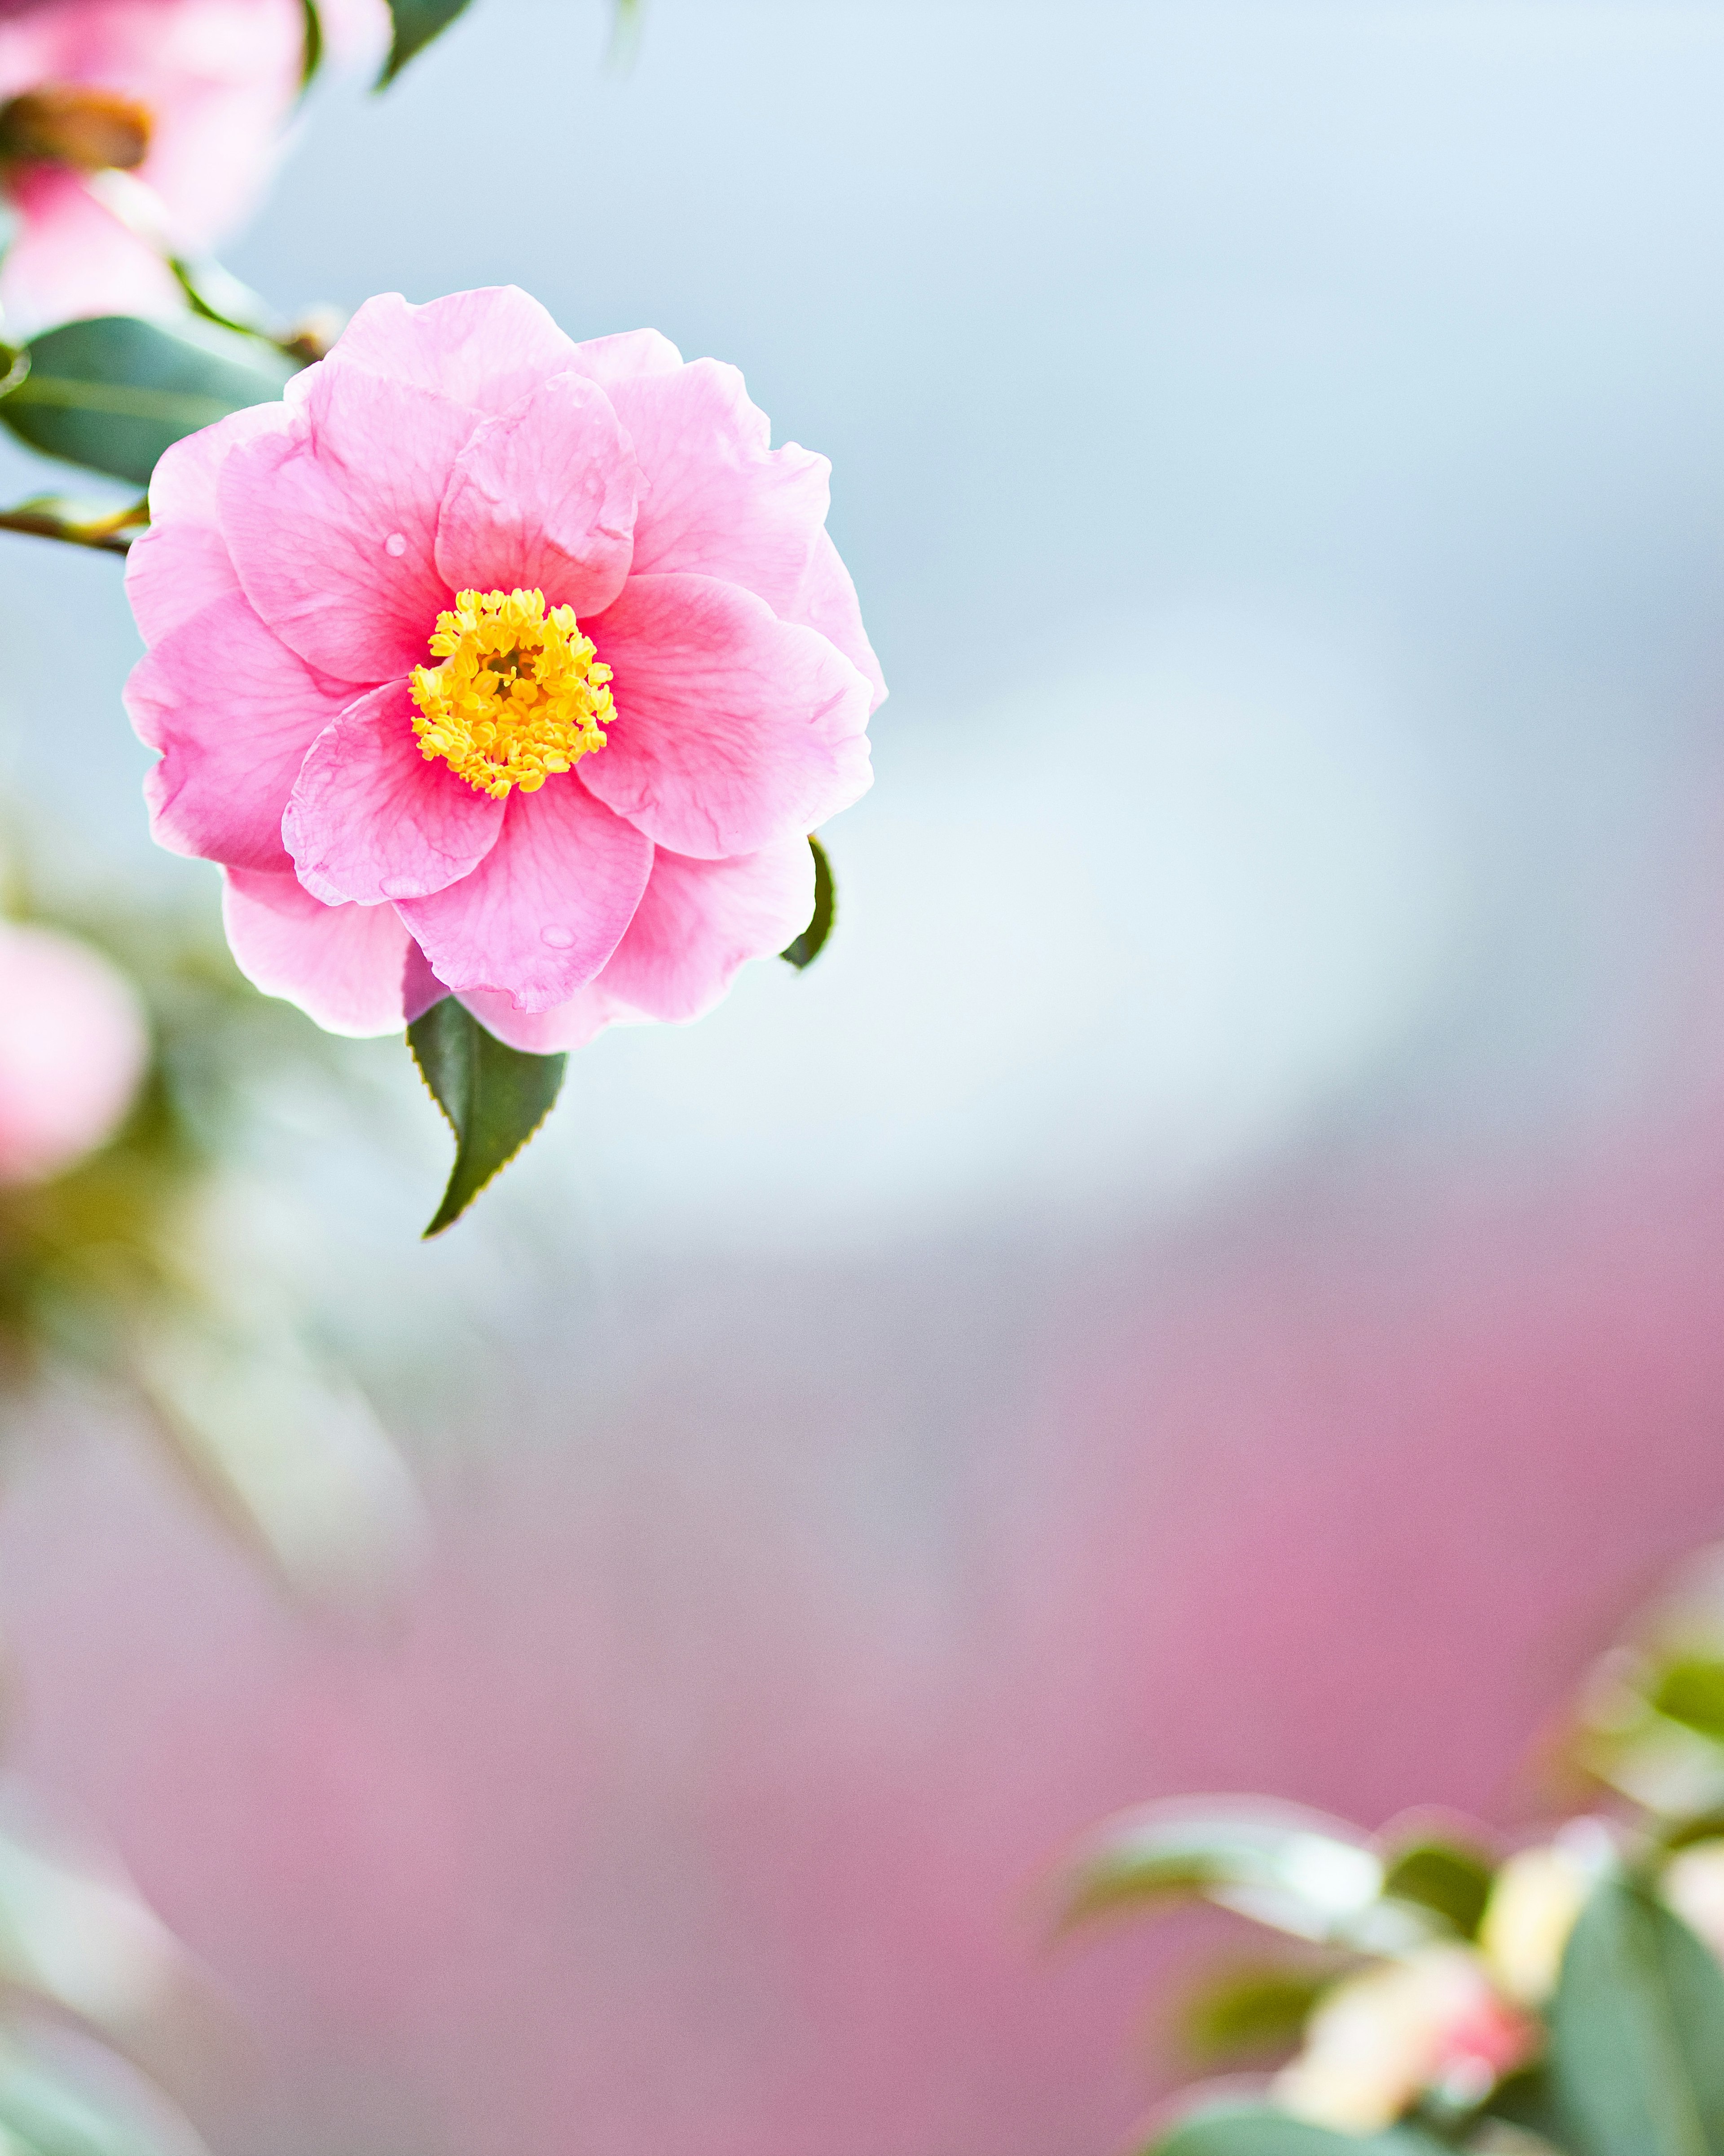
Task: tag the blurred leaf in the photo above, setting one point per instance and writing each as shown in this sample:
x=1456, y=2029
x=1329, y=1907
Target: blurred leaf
x=113, y=393
x=1250, y=2009
x=1691, y=1692
x=1271, y=1865
x=416, y=23
x=81, y=1943
x=811, y=942
x=217, y=295
x=43, y=2114
x=1258, y=2130
x=294, y=1458
x=1528, y=2101
x=1452, y=1881
x=1637, y=2032
x=313, y=45
x=494, y=1096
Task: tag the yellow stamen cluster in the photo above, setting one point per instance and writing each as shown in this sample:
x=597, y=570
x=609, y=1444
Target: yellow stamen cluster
x=519, y=694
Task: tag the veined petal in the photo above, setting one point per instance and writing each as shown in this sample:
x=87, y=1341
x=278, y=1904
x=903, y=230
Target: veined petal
x=699, y=920
x=332, y=524
x=487, y=348
x=732, y=728
x=609, y=359
x=233, y=712
x=548, y=906
x=182, y=563
x=542, y=497
x=719, y=501
x=370, y=819
x=826, y=602
x=353, y=968
x=551, y=1032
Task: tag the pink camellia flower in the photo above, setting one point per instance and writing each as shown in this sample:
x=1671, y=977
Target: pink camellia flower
x=73, y=1050
x=130, y=128
x=492, y=663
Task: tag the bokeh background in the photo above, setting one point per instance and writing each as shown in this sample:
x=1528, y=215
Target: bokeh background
x=1215, y=1280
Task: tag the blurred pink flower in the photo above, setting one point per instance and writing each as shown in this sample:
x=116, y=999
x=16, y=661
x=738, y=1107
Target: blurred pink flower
x=129, y=128
x=495, y=663
x=1433, y=2020
x=73, y=1050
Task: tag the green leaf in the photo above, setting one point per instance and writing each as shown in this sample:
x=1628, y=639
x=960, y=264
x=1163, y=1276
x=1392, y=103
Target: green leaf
x=313, y=47
x=1637, y=2032
x=1453, y=1882
x=416, y=23
x=1526, y=2100
x=113, y=393
x=494, y=1096
x=1257, y=2130
x=1250, y=2010
x=1273, y=1864
x=1692, y=1691
x=811, y=942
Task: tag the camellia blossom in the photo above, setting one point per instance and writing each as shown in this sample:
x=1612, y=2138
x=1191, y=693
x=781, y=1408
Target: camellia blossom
x=490, y=663
x=73, y=1051
x=131, y=129
x=1433, y=2020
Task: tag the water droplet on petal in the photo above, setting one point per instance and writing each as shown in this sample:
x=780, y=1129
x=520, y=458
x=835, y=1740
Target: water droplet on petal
x=396, y=544
x=559, y=939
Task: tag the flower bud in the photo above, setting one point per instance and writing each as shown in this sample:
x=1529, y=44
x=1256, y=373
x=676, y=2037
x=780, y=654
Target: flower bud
x=73, y=1050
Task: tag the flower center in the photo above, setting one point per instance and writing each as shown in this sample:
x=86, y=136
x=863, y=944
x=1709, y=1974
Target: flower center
x=74, y=124
x=520, y=693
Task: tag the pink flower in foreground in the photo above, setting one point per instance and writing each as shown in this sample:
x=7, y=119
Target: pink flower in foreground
x=133, y=127
x=495, y=663
x=73, y=1050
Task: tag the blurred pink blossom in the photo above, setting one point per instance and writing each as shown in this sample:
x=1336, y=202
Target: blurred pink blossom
x=133, y=128
x=492, y=663
x=73, y=1050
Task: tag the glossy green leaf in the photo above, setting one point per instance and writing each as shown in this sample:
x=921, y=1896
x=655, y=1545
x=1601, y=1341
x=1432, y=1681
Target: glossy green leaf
x=495, y=1097
x=1273, y=1864
x=416, y=23
x=1247, y=2011
x=1451, y=1881
x=1637, y=2032
x=1691, y=1691
x=811, y=942
x=113, y=393
x=1257, y=2130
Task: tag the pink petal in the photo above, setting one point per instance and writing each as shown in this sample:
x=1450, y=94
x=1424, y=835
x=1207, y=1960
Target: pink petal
x=182, y=563
x=546, y=907
x=608, y=359
x=549, y=1032
x=826, y=602
x=719, y=502
x=369, y=817
x=699, y=920
x=332, y=524
x=487, y=348
x=233, y=712
x=72, y=257
x=543, y=498
x=733, y=729
x=354, y=968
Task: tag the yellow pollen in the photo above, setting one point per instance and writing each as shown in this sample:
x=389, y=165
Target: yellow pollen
x=520, y=693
